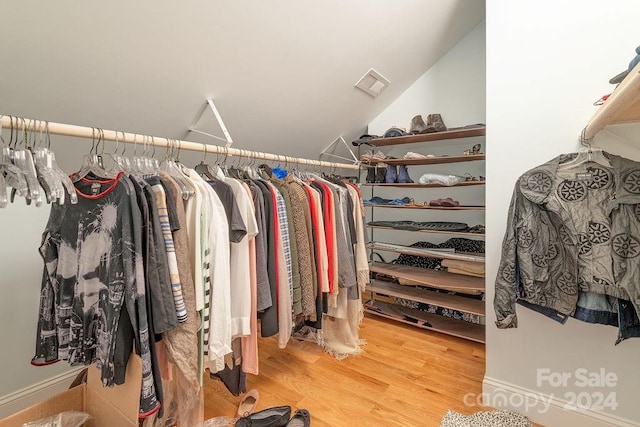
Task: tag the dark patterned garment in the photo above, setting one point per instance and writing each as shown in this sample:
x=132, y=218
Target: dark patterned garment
x=92, y=276
x=572, y=241
x=458, y=243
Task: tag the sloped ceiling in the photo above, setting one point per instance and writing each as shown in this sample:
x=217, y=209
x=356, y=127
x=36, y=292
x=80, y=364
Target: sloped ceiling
x=281, y=72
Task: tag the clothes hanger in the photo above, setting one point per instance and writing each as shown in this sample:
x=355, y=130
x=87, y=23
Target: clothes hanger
x=92, y=163
x=154, y=164
x=13, y=177
x=47, y=177
x=62, y=176
x=203, y=168
x=118, y=160
x=24, y=160
x=123, y=161
x=172, y=169
x=587, y=153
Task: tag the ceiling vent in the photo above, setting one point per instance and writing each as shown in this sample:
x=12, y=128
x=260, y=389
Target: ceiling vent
x=373, y=83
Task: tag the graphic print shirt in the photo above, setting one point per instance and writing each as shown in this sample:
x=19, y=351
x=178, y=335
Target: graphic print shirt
x=89, y=275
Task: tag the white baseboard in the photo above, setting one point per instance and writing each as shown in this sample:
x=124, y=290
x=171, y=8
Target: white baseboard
x=545, y=409
x=21, y=399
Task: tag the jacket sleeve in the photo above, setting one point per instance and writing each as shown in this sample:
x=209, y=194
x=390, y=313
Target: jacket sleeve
x=506, y=287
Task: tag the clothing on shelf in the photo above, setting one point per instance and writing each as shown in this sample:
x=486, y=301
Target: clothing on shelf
x=572, y=244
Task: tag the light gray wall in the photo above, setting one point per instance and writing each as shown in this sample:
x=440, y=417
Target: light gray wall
x=547, y=62
x=20, y=277
x=453, y=87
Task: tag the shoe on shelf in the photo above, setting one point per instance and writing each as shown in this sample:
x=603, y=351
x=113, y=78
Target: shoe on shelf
x=394, y=131
x=446, y=202
x=277, y=416
x=366, y=156
x=380, y=174
x=369, y=156
x=417, y=125
x=302, y=418
x=435, y=121
x=392, y=174
x=449, y=202
x=411, y=155
x=371, y=175
x=403, y=175
x=248, y=403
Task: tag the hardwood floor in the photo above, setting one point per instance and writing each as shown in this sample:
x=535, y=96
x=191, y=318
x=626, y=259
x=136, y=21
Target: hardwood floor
x=405, y=377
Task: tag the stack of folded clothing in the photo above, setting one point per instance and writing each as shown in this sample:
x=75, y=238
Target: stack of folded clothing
x=468, y=268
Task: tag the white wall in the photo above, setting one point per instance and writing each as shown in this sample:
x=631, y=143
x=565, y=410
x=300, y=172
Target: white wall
x=21, y=228
x=547, y=62
x=453, y=87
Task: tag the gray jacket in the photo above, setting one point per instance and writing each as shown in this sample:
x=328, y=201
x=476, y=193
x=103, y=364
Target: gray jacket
x=550, y=252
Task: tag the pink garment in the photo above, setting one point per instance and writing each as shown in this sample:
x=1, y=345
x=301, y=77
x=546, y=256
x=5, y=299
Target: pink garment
x=166, y=367
x=250, y=343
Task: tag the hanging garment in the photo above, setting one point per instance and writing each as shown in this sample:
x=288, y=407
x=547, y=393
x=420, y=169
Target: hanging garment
x=91, y=273
x=269, y=317
x=240, y=264
x=181, y=342
x=250, y=343
x=165, y=224
x=572, y=241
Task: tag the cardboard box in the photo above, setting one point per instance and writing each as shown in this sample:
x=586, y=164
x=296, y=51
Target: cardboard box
x=108, y=406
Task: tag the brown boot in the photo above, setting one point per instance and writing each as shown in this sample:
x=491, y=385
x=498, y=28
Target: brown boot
x=435, y=121
x=417, y=125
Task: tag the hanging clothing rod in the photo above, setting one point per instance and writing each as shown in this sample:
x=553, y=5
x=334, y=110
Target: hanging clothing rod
x=20, y=123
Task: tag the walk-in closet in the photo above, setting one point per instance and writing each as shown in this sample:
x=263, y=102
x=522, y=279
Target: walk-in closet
x=293, y=214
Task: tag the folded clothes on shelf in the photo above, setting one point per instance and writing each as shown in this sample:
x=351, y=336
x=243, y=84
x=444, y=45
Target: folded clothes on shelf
x=436, y=178
x=415, y=225
x=464, y=267
x=411, y=156
x=380, y=201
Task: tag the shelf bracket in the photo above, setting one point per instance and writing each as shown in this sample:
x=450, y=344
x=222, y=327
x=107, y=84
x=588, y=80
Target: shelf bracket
x=339, y=140
x=209, y=105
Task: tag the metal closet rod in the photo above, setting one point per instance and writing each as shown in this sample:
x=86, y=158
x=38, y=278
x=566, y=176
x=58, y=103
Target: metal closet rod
x=110, y=135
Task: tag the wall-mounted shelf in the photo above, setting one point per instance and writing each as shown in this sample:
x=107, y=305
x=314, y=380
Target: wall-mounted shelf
x=453, y=233
x=428, y=321
x=450, y=293
x=428, y=161
x=416, y=185
x=442, y=208
x=425, y=252
x=432, y=278
x=622, y=106
x=429, y=137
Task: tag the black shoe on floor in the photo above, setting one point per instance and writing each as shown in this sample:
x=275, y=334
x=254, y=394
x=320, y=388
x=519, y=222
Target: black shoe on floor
x=278, y=416
x=302, y=418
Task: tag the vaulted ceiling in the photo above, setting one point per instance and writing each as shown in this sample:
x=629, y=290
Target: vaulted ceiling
x=281, y=72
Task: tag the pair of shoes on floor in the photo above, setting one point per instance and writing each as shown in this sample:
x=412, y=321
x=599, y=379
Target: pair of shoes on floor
x=277, y=416
x=398, y=174
x=434, y=124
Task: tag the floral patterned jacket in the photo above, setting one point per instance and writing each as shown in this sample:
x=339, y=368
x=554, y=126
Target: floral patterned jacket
x=563, y=233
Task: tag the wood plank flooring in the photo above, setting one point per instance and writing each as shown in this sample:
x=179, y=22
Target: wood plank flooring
x=405, y=377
